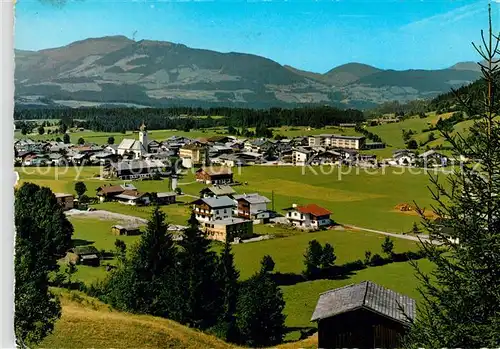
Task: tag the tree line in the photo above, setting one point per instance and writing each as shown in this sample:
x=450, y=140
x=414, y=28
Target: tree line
x=122, y=119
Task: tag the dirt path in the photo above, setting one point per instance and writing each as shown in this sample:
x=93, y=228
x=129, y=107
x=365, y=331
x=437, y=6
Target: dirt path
x=107, y=215
x=399, y=236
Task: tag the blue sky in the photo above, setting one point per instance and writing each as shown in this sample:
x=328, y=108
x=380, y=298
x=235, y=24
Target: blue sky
x=311, y=35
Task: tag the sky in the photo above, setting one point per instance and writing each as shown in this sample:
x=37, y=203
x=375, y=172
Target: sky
x=314, y=35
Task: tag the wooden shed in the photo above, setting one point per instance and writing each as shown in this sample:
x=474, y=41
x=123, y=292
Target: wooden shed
x=363, y=315
x=126, y=230
x=86, y=255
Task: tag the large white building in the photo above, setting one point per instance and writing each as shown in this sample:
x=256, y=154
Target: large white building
x=337, y=141
x=138, y=148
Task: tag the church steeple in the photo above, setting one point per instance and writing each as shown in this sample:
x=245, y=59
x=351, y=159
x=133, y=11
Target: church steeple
x=143, y=135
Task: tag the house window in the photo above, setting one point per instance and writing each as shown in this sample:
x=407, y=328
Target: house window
x=225, y=211
x=301, y=216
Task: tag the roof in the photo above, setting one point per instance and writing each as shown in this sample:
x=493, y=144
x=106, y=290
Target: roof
x=193, y=146
x=62, y=195
x=165, y=194
x=313, y=209
x=366, y=295
x=126, y=227
x=220, y=189
x=112, y=189
x=137, y=165
x=253, y=198
x=221, y=201
x=229, y=221
x=82, y=250
x=214, y=171
x=130, y=195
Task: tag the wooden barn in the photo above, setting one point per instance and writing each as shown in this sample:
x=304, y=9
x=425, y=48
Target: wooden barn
x=363, y=315
x=86, y=255
x=126, y=230
x=220, y=175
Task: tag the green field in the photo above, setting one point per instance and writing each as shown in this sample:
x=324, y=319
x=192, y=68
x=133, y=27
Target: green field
x=102, y=137
x=363, y=198
x=358, y=198
x=288, y=255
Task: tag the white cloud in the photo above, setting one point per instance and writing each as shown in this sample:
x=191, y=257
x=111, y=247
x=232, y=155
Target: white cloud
x=445, y=19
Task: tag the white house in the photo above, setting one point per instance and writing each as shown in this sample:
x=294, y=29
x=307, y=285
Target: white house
x=309, y=216
x=300, y=156
x=214, y=208
x=252, y=206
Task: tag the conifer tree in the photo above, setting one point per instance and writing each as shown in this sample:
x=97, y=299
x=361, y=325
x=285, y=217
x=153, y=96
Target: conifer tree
x=197, y=279
x=259, y=313
x=139, y=284
x=461, y=297
x=228, y=284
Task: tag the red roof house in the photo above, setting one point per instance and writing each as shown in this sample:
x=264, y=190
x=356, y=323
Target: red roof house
x=310, y=216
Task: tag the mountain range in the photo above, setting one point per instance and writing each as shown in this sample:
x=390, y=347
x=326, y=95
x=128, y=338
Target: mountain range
x=115, y=70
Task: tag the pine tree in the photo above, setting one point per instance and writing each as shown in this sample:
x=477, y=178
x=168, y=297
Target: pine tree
x=140, y=282
x=328, y=257
x=388, y=246
x=259, y=313
x=312, y=259
x=199, y=291
x=228, y=284
x=461, y=297
x=43, y=233
x=267, y=264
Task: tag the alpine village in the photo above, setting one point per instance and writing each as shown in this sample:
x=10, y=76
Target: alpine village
x=150, y=213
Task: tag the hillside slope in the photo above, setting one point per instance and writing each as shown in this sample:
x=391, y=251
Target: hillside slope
x=116, y=69
x=88, y=323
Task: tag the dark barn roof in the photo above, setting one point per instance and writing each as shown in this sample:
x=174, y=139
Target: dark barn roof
x=367, y=295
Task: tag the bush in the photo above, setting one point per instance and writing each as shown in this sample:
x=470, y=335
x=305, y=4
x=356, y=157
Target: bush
x=377, y=260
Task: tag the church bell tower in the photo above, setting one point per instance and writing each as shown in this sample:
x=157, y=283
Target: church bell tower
x=143, y=135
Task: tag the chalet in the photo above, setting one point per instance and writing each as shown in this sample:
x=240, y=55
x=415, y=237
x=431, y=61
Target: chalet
x=58, y=159
x=252, y=206
x=134, y=169
x=213, y=175
x=217, y=190
x=165, y=198
x=127, y=230
x=363, y=315
x=309, y=216
x=86, y=255
x=229, y=229
x=300, y=156
x=153, y=146
x=193, y=154
x=212, y=209
x=403, y=157
x=133, y=197
x=219, y=139
x=65, y=200
x=250, y=157
x=259, y=145
x=432, y=158
x=230, y=160
x=108, y=192
x=325, y=157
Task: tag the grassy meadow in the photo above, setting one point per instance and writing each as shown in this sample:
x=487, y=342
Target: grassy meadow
x=287, y=253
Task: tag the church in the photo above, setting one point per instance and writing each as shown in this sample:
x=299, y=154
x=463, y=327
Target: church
x=135, y=148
